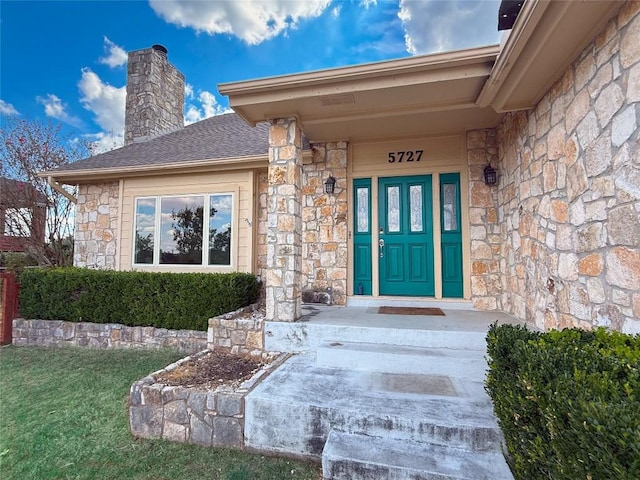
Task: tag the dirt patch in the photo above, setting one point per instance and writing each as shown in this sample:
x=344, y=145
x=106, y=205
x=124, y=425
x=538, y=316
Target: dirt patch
x=212, y=370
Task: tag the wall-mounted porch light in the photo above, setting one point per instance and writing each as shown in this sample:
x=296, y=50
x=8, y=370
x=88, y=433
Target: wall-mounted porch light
x=490, y=175
x=330, y=185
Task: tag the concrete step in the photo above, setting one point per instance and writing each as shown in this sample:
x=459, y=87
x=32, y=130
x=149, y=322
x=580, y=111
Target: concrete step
x=303, y=336
x=402, y=359
x=359, y=457
x=293, y=410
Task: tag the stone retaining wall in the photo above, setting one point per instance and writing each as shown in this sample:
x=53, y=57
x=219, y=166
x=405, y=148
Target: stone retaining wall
x=209, y=417
x=53, y=333
x=238, y=332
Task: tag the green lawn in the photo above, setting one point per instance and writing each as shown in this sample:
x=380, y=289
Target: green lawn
x=63, y=414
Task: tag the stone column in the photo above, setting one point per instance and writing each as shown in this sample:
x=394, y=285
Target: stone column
x=284, y=222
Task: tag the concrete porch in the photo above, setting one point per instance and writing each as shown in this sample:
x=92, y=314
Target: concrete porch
x=380, y=396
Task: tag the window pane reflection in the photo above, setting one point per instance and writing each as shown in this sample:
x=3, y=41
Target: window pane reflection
x=220, y=229
x=181, y=227
x=145, y=230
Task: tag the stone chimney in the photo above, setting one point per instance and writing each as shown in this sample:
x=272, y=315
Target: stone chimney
x=155, y=95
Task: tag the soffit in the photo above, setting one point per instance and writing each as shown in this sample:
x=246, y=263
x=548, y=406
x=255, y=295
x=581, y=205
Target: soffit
x=546, y=37
x=422, y=95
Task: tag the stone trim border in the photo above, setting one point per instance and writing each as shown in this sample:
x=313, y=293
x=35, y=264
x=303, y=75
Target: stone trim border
x=208, y=417
x=57, y=333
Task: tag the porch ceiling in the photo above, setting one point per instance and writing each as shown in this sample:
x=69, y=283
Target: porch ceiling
x=422, y=95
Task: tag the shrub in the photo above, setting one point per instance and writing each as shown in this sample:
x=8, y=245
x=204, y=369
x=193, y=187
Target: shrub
x=568, y=402
x=163, y=300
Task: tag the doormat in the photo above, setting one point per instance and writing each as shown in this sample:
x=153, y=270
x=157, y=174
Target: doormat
x=411, y=311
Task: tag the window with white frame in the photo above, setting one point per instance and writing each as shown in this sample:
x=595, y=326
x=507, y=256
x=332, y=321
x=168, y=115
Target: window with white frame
x=17, y=222
x=183, y=230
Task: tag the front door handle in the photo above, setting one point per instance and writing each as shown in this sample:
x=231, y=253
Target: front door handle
x=381, y=247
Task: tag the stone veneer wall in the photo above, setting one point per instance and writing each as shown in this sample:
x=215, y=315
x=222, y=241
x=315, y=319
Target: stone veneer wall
x=55, y=333
x=96, y=226
x=486, y=240
x=569, y=192
x=324, y=222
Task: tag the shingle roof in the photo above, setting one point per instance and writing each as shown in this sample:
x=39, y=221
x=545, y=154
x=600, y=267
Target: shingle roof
x=222, y=136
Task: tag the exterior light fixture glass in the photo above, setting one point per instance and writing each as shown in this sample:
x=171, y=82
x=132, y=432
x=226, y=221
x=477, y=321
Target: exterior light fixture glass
x=490, y=175
x=330, y=185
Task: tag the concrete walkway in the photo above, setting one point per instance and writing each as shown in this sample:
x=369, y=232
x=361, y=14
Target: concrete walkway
x=380, y=396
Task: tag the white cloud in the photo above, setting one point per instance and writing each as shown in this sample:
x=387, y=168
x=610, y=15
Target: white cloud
x=368, y=3
x=105, y=101
x=436, y=26
x=7, y=109
x=188, y=91
x=104, y=141
x=116, y=56
x=209, y=107
x=253, y=21
x=54, y=108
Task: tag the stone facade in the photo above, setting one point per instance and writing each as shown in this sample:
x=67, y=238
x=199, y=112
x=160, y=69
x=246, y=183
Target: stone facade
x=324, y=222
x=568, y=200
x=96, y=226
x=238, y=332
x=209, y=417
x=484, y=228
x=284, y=222
x=56, y=333
x=155, y=95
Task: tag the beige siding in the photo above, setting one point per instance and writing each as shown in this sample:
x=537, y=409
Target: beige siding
x=440, y=155
x=240, y=184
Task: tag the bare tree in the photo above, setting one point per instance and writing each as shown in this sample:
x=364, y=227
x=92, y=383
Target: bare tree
x=35, y=214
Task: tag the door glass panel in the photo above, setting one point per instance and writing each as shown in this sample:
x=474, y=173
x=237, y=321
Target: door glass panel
x=450, y=212
x=393, y=209
x=415, y=204
x=362, y=197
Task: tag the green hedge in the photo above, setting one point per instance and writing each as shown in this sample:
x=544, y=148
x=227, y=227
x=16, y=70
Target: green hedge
x=568, y=402
x=163, y=300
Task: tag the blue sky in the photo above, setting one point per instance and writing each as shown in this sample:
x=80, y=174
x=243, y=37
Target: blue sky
x=66, y=61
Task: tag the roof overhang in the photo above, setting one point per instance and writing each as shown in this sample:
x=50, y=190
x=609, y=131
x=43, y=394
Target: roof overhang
x=74, y=177
x=420, y=95
x=546, y=37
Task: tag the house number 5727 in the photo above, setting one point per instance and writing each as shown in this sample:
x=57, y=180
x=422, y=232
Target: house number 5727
x=406, y=156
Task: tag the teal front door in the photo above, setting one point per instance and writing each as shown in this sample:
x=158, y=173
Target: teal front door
x=451, y=235
x=405, y=240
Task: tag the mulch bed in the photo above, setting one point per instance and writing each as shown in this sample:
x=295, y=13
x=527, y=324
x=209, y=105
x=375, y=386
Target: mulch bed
x=212, y=370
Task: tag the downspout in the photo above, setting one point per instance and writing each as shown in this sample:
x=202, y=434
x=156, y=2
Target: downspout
x=58, y=188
